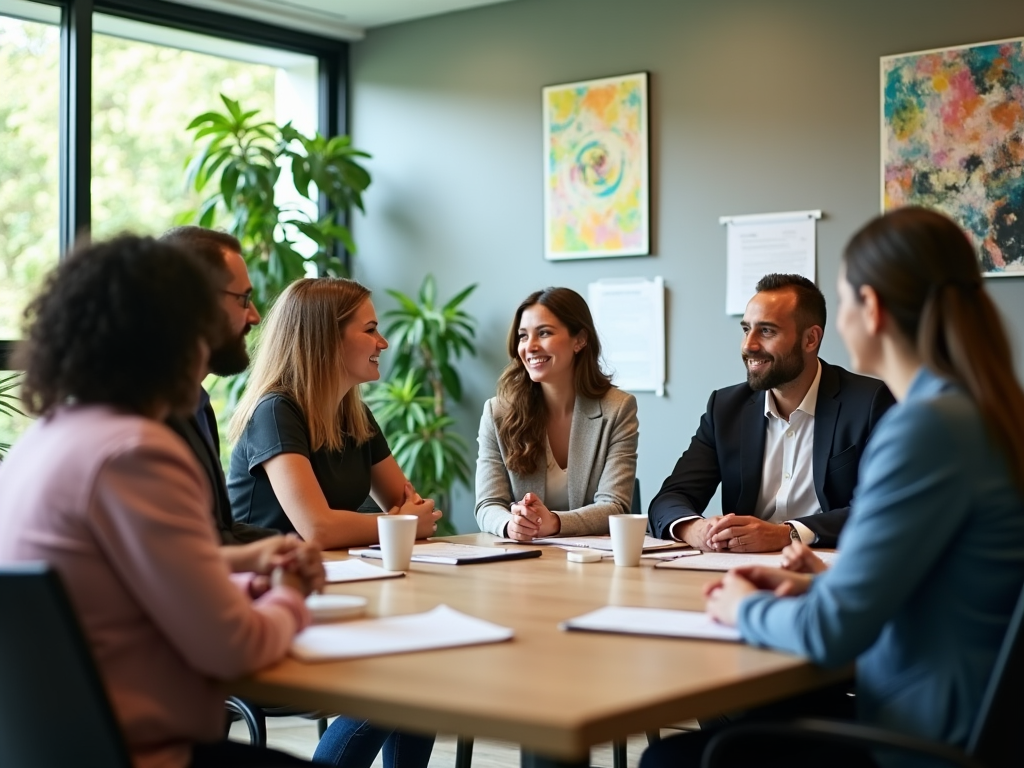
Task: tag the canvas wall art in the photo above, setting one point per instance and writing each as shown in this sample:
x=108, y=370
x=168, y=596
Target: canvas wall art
x=595, y=168
x=952, y=125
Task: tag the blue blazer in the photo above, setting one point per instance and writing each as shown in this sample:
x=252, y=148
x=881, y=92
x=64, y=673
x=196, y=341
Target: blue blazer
x=729, y=449
x=930, y=566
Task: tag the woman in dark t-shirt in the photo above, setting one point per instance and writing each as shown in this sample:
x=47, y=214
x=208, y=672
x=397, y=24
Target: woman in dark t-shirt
x=308, y=452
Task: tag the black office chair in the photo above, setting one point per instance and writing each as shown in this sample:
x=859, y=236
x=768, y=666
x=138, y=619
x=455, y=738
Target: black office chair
x=255, y=718
x=994, y=740
x=635, y=506
x=44, y=657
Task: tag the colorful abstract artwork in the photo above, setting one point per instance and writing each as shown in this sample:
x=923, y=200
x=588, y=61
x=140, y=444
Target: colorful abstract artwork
x=953, y=140
x=595, y=168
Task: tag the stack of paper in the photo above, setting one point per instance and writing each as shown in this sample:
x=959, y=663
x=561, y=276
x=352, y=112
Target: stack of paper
x=603, y=543
x=653, y=621
x=724, y=561
x=356, y=570
x=442, y=627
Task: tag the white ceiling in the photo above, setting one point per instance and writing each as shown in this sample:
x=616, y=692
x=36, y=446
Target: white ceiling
x=342, y=19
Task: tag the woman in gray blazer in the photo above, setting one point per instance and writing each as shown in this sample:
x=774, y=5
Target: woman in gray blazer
x=558, y=443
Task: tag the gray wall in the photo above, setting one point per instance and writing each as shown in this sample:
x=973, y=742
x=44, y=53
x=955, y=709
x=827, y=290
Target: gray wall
x=756, y=106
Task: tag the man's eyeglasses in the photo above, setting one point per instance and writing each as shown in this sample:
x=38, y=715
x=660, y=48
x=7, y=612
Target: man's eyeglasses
x=245, y=299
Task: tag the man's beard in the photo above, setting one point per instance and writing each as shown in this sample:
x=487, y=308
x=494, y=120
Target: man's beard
x=231, y=357
x=781, y=370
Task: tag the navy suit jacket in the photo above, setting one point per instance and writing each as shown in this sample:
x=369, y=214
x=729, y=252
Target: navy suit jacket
x=729, y=449
x=208, y=456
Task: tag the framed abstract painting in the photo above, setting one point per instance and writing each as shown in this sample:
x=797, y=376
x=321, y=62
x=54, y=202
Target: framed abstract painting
x=596, y=199
x=953, y=141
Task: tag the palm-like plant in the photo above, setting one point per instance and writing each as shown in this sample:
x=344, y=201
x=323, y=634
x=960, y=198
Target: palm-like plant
x=411, y=405
x=8, y=400
x=242, y=159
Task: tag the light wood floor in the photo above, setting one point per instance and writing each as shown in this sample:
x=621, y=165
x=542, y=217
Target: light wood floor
x=298, y=736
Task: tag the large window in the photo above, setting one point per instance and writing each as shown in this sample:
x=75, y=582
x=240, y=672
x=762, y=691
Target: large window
x=29, y=131
x=148, y=83
x=153, y=67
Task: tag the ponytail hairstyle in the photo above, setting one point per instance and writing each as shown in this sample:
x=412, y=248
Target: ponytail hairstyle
x=522, y=428
x=300, y=355
x=926, y=275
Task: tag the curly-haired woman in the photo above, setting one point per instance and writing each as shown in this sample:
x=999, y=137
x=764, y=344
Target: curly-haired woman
x=101, y=489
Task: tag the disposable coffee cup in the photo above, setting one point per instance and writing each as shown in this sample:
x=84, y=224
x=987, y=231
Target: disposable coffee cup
x=628, y=533
x=397, y=535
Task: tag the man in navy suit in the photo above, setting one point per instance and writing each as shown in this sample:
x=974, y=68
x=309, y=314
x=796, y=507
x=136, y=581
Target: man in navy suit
x=785, y=445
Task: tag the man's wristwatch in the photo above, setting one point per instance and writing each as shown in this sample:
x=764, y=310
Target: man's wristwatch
x=794, y=534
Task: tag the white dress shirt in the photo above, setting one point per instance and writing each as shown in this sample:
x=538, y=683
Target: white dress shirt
x=787, y=474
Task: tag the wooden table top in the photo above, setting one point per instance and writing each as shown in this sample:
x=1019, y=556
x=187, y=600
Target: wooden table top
x=556, y=693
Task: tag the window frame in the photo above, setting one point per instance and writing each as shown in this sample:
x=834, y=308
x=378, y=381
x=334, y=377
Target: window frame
x=75, y=149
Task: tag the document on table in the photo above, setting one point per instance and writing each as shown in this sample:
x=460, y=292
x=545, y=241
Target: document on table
x=724, y=561
x=603, y=543
x=355, y=569
x=447, y=553
x=660, y=622
x=443, y=627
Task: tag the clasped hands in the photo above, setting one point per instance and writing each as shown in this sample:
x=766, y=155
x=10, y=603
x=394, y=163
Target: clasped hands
x=531, y=519
x=414, y=504
x=799, y=565
x=734, y=533
x=279, y=559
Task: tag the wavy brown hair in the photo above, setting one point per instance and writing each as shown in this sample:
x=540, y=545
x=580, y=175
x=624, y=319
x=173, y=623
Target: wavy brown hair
x=299, y=355
x=926, y=275
x=522, y=427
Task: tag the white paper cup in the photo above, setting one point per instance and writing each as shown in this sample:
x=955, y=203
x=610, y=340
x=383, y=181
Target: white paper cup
x=397, y=536
x=628, y=533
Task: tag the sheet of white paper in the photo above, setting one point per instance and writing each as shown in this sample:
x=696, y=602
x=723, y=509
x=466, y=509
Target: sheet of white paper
x=355, y=569
x=760, y=247
x=604, y=543
x=620, y=307
x=653, y=621
x=443, y=627
x=723, y=561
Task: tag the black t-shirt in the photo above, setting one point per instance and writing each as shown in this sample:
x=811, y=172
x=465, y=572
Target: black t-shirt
x=278, y=426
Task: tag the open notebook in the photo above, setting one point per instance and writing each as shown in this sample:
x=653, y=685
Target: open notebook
x=442, y=627
x=659, y=622
x=448, y=553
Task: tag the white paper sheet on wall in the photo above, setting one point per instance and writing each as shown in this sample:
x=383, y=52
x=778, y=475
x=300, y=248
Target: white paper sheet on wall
x=760, y=244
x=630, y=318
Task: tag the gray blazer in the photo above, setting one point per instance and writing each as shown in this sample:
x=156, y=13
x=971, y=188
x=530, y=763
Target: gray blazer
x=602, y=466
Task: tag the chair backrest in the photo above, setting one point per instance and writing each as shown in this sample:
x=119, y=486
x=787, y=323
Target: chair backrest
x=995, y=740
x=53, y=707
x=636, y=507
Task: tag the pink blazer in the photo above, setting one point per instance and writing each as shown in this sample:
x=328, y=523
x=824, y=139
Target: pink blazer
x=120, y=508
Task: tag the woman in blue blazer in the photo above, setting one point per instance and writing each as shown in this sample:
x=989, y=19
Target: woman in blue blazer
x=932, y=559
x=558, y=443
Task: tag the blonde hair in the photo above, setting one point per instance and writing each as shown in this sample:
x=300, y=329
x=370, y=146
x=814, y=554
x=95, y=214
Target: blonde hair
x=299, y=355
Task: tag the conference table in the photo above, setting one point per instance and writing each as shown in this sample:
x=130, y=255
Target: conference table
x=556, y=693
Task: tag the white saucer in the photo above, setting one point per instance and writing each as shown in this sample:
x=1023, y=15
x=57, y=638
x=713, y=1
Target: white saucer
x=335, y=607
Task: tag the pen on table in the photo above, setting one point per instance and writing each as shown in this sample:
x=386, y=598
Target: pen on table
x=675, y=555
